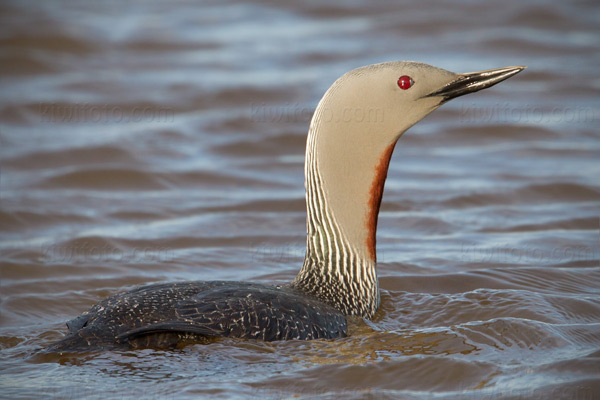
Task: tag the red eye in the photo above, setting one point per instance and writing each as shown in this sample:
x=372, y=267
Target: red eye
x=405, y=82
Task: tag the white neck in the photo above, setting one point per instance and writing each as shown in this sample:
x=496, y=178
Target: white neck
x=350, y=142
x=345, y=170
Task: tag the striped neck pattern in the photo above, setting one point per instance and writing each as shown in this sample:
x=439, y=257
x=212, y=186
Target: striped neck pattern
x=334, y=270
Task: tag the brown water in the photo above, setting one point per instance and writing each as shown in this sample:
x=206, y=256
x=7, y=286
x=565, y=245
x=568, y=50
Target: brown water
x=164, y=141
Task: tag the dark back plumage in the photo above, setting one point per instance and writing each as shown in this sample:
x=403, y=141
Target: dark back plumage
x=162, y=315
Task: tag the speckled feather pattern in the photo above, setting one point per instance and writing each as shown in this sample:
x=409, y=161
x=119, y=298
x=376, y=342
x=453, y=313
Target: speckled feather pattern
x=164, y=314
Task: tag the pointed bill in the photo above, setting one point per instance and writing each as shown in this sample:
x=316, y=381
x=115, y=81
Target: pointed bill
x=472, y=82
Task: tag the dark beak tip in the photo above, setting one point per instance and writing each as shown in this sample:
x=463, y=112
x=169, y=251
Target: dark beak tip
x=511, y=71
x=475, y=81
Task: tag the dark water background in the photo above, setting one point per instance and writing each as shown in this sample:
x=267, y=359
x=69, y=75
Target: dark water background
x=150, y=141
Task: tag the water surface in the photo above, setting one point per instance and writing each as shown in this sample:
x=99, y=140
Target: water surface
x=148, y=141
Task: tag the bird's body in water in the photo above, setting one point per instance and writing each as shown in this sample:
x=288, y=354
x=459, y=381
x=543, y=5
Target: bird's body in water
x=347, y=157
x=161, y=315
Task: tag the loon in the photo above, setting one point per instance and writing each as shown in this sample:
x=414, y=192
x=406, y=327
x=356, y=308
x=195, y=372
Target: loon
x=351, y=138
